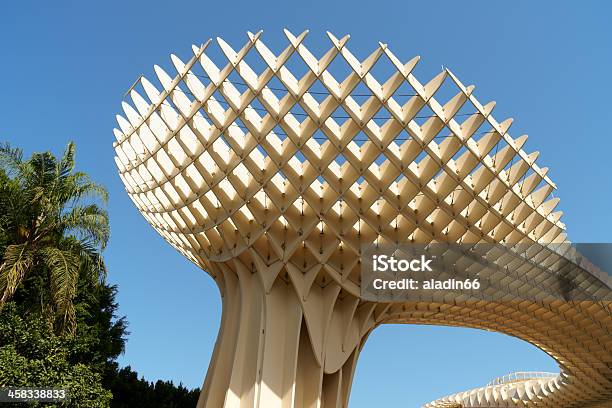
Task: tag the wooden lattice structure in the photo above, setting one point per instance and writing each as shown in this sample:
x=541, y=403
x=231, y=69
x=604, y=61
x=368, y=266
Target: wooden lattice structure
x=271, y=175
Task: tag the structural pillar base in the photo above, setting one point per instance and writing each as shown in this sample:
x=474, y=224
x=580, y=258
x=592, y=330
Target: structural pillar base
x=272, y=347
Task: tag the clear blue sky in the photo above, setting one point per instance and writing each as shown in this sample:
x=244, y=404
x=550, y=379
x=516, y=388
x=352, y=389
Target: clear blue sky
x=65, y=66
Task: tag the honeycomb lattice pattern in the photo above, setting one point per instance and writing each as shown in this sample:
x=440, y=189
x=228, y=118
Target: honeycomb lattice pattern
x=287, y=164
x=217, y=169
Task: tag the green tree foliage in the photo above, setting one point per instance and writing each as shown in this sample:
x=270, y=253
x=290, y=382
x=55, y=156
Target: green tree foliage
x=58, y=317
x=131, y=392
x=49, y=229
x=31, y=354
x=101, y=334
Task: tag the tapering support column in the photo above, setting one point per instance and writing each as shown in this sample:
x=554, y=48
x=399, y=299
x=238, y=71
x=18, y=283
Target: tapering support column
x=264, y=356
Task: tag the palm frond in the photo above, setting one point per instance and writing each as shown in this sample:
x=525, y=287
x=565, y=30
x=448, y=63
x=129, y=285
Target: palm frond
x=92, y=262
x=80, y=186
x=11, y=159
x=13, y=206
x=16, y=261
x=43, y=173
x=66, y=164
x=89, y=223
x=64, y=267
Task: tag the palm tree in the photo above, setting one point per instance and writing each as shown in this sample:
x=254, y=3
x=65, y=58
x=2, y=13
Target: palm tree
x=51, y=227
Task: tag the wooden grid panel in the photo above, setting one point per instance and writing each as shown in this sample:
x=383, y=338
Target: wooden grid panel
x=287, y=175
x=213, y=187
